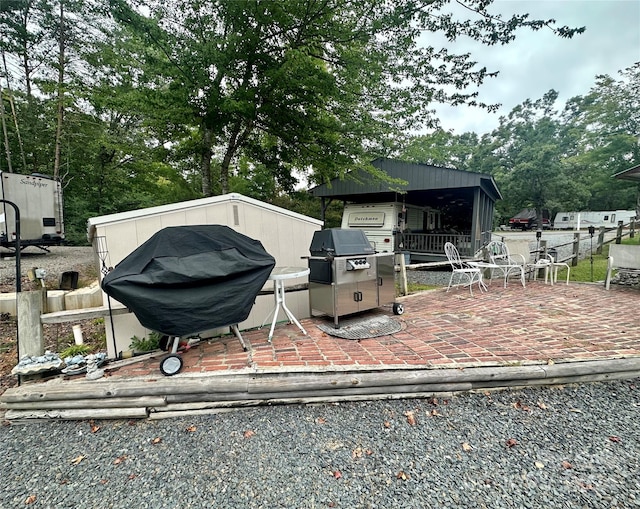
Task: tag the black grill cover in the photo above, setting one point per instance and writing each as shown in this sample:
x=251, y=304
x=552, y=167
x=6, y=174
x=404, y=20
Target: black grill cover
x=188, y=279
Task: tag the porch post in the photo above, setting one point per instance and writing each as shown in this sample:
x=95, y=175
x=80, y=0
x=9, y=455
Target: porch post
x=476, y=223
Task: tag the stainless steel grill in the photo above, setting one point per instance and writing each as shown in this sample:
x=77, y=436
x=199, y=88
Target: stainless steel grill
x=347, y=276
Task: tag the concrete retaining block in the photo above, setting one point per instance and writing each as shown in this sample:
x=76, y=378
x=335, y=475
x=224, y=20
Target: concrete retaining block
x=89, y=297
x=8, y=303
x=59, y=300
x=55, y=301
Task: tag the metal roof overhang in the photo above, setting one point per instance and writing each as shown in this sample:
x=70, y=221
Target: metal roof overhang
x=424, y=183
x=632, y=174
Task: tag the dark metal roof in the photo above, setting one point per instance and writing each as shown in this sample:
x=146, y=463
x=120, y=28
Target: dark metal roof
x=632, y=174
x=419, y=177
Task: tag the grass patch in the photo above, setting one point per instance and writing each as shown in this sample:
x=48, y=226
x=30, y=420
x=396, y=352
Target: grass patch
x=417, y=287
x=581, y=273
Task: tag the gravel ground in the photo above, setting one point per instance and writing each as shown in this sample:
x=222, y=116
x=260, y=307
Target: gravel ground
x=570, y=447
x=58, y=260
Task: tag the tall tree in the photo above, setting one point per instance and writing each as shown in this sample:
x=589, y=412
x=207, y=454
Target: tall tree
x=442, y=148
x=525, y=156
x=318, y=86
x=60, y=90
x=604, y=126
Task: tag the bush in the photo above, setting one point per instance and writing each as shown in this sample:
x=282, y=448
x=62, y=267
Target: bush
x=146, y=344
x=74, y=350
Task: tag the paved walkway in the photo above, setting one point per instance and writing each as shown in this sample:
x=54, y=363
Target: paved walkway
x=504, y=327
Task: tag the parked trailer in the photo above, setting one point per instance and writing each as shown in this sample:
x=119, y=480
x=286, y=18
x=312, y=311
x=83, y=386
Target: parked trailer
x=606, y=218
x=381, y=222
x=39, y=200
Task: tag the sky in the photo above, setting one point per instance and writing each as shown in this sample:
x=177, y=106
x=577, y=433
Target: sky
x=539, y=61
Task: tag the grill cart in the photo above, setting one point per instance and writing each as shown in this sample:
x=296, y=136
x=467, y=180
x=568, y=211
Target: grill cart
x=347, y=276
x=188, y=279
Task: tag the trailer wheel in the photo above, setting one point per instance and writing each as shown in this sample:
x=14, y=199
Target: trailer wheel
x=171, y=365
x=398, y=308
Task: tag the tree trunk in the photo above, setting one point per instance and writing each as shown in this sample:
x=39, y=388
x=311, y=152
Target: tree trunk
x=205, y=160
x=60, y=116
x=237, y=139
x=25, y=53
x=5, y=133
x=14, y=115
x=224, y=169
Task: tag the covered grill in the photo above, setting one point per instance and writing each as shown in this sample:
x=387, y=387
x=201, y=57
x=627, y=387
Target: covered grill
x=347, y=276
x=188, y=279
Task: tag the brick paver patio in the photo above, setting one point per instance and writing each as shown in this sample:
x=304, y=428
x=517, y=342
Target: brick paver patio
x=513, y=326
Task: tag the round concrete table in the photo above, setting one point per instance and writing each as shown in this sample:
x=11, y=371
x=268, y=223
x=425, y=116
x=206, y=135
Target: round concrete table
x=279, y=275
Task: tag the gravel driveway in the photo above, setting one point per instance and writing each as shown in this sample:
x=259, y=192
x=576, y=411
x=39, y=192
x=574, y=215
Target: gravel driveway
x=571, y=447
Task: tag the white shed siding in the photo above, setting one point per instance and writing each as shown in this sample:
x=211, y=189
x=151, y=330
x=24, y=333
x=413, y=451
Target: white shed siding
x=284, y=234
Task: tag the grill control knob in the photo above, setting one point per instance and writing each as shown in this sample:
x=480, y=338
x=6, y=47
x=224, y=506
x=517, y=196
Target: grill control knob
x=358, y=264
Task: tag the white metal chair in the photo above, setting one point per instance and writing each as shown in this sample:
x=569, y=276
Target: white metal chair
x=543, y=263
x=550, y=267
x=467, y=274
x=505, y=262
x=554, y=269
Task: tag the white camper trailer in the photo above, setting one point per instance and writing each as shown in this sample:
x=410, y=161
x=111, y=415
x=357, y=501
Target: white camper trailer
x=39, y=201
x=382, y=221
x=606, y=218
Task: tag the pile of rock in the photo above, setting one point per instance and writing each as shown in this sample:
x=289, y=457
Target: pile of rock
x=31, y=365
x=627, y=277
x=50, y=361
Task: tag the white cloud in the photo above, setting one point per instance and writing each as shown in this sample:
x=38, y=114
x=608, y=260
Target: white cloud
x=539, y=61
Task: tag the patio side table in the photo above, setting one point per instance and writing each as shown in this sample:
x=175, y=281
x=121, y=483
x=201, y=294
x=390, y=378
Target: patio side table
x=279, y=275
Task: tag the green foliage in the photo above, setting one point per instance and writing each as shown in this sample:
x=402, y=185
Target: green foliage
x=545, y=159
x=74, y=350
x=442, y=148
x=145, y=344
x=170, y=101
x=314, y=87
x=604, y=126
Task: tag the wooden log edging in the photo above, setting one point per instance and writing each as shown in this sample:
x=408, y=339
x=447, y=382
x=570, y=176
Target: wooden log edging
x=77, y=414
x=169, y=396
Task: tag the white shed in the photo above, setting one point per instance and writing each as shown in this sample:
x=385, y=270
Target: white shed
x=285, y=235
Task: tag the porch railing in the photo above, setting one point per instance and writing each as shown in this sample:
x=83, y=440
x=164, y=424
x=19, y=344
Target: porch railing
x=434, y=242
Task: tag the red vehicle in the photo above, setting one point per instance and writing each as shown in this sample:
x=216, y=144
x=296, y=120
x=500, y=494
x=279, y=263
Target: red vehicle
x=526, y=219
